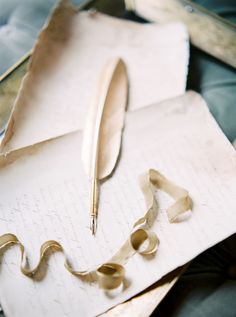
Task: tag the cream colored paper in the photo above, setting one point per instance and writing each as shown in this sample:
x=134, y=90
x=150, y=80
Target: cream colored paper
x=143, y=305
x=44, y=195
x=111, y=274
x=68, y=59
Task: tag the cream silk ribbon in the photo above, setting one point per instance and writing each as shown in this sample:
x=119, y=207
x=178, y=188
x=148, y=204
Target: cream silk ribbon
x=110, y=275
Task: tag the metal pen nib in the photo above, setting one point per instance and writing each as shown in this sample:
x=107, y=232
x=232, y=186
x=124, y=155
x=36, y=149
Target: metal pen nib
x=94, y=206
x=93, y=224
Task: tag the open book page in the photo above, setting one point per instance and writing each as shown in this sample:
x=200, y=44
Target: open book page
x=67, y=62
x=45, y=195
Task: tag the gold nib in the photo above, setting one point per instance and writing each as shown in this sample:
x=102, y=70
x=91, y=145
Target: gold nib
x=93, y=224
x=94, y=206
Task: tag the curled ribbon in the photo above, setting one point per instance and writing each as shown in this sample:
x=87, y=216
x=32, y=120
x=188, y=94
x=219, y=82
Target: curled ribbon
x=111, y=275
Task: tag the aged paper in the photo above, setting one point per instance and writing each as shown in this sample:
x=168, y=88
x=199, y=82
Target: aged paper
x=67, y=62
x=45, y=195
x=145, y=303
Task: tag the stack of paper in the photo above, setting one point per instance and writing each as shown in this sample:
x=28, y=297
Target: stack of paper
x=44, y=191
x=45, y=195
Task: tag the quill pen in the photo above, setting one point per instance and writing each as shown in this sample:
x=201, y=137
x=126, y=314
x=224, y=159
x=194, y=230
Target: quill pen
x=103, y=129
